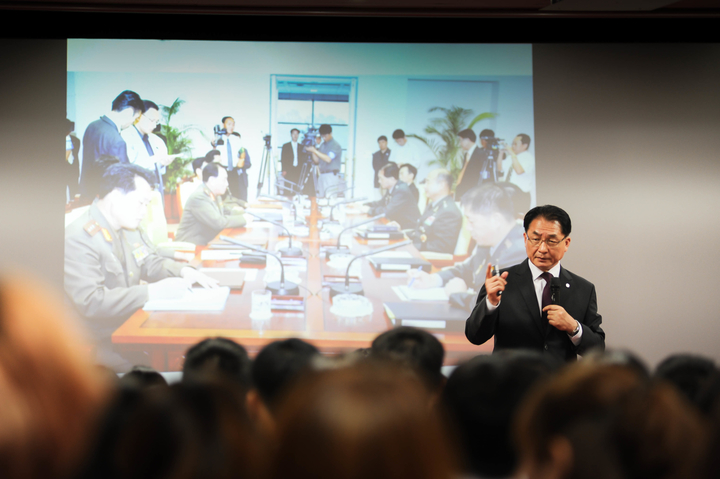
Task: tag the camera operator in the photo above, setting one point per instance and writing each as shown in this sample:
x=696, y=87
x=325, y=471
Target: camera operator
x=519, y=165
x=481, y=164
x=328, y=157
x=233, y=156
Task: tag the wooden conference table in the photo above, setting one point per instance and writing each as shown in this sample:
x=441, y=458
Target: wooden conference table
x=165, y=336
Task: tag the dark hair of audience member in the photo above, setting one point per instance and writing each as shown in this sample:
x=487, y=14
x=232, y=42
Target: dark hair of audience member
x=122, y=176
x=278, y=365
x=51, y=393
x=370, y=420
x=128, y=99
x=549, y=213
x=468, y=134
x=218, y=357
x=480, y=400
x=142, y=377
x=620, y=357
x=194, y=430
x=210, y=170
x=411, y=169
x=689, y=373
x=415, y=348
x=397, y=134
x=391, y=170
x=488, y=199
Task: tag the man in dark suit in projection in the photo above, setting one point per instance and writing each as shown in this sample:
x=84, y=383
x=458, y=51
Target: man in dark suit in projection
x=538, y=304
x=398, y=204
x=292, y=159
x=102, y=137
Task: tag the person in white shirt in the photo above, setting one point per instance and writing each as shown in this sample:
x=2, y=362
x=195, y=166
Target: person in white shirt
x=519, y=165
x=144, y=148
x=404, y=152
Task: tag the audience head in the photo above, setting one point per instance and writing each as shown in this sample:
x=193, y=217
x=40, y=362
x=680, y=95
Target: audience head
x=215, y=178
x=689, y=373
x=415, y=348
x=399, y=137
x=363, y=421
x=127, y=107
x=200, y=429
x=619, y=357
x=388, y=176
x=467, y=139
x=51, y=393
x=125, y=191
x=407, y=173
x=142, y=377
x=278, y=365
x=481, y=398
x=218, y=357
x=490, y=214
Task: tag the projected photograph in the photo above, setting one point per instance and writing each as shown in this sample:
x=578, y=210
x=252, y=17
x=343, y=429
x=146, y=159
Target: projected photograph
x=260, y=191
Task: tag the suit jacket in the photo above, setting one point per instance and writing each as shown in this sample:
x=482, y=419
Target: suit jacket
x=379, y=160
x=204, y=217
x=517, y=323
x=399, y=205
x=101, y=138
x=471, y=177
x=439, y=227
x=293, y=172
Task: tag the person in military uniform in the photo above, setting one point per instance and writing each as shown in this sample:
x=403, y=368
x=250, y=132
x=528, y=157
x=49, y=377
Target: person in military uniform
x=236, y=205
x=439, y=226
x=108, y=259
x=398, y=204
x=499, y=236
x=205, y=215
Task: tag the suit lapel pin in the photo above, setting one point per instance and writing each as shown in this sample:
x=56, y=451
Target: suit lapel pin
x=567, y=285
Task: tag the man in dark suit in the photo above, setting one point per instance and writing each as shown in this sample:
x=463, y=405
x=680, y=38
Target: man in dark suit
x=439, y=226
x=398, y=204
x=543, y=306
x=407, y=175
x=102, y=137
x=380, y=158
x=292, y=159
x=480, y=164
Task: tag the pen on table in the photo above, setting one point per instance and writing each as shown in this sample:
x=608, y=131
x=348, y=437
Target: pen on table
x=419, y=268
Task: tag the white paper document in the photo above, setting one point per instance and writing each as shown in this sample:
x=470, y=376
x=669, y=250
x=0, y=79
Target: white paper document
x=412, y=294
x=221, y=254
x=197, y=299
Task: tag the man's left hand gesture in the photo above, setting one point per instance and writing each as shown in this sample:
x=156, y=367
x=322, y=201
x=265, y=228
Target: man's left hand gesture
x=559, y=318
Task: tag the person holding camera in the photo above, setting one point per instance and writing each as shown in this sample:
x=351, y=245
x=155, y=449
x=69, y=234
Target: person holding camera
x=481, y=165
x=519, y=165
x=328, y=157
x=233, y=156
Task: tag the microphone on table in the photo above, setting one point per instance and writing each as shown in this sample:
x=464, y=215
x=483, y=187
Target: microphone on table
x=338, y=191
x=332, y=219
x=282, y=287
x=356, y=288
x=338, y=248
x=282, y=199
x=289, y=251
x=554, y=290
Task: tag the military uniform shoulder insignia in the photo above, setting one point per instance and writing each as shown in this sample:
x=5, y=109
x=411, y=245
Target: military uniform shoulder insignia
x=107, y=235
x=92, y=227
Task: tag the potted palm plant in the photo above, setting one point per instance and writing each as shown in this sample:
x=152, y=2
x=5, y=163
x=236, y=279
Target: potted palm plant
x=178, y=143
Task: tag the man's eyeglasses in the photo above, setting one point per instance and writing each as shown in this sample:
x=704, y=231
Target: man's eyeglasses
x=550, y=243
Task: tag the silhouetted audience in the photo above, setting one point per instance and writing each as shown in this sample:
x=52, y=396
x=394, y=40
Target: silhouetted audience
x=218, y=357
x=688, y=373
x=142, y=377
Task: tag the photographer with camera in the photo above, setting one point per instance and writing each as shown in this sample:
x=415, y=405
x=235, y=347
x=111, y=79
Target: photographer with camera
x=481, y=164
x=233, y=156
x=328, y=157
x=519, y=165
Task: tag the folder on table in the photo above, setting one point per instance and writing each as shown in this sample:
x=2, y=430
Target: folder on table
x=426, y=315
x=399, y=264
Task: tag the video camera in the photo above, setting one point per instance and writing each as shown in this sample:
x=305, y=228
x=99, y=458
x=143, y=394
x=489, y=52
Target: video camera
x=492, y=142
x=219, y=131
x=267, y=139
x=309, y=137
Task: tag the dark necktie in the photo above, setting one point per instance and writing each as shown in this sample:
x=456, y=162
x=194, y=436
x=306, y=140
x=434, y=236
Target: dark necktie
x=546, y=297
